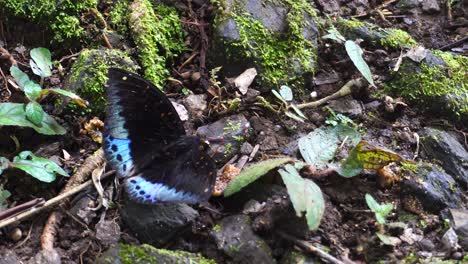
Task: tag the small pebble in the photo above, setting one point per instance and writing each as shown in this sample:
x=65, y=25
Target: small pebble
x=15, y=234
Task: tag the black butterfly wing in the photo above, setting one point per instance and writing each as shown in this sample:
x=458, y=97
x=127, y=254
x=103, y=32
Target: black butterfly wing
x=144, y=140
x=139, y=120
x=184, y=172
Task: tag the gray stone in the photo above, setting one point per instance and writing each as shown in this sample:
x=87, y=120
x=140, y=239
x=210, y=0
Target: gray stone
x=450, y=240
x=433, y=187
x=274, y=17
x=445, y=147
x=459, y=222
x=226, y=136
x=157, y=224
x=246, y=148
x=346, y=105
x=430, y=6
x=407, y=4
x=427, y=245
x=107, y=232
x=9, y=257
x=234, y=236
x=196, y=104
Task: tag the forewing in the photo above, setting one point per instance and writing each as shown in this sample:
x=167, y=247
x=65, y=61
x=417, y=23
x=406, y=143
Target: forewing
x=140, y=119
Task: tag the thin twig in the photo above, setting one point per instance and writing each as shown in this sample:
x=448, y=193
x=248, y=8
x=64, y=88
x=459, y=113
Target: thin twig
x=345, y=90
x=52, y=202
x=50, y=227
x=21, y=208
x=312, y=249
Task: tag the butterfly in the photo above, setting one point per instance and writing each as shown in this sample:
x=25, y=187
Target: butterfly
x=145, y=143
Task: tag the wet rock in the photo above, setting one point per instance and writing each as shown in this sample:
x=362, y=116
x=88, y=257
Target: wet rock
x=276, y=211
x=82, y=209
x=459, y=223
x=234, y=236
x=181, y=111
x=196, y=104
x=107, y=232
x=346, y=105
x=46, y=257
x=158, y=223
x=407, y=4
x=433, y=188
x=329, y=6
x=9, y=257
x=436, y=84
x=252, y=33
x=88, y=75
x=445, y=147
x=226, y=136
x=147, y=254
x=246, y=148
x=251, y=95
x=430, y=6
x=450, y=240
x=427, y=245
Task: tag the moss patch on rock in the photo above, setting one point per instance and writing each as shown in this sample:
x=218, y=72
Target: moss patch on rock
x=159, y=37
x=148, y=254
x=438, y=82
x=89, y=74
x=59, y=16
x=375, y=35
x=280, y=57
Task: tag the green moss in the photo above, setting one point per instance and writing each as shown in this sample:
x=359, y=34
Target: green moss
x=426, y=84
x=280, y=58
x=217, y=228
x=385, y=37
x=410, y=167
x=118, y=16
x=159, y=37
x=89, y=75
x=397, y=38
x=147, y=254
x=60, y=16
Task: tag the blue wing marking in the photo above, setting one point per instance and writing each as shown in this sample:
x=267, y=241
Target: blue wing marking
x=118, y=154
x=145, y=191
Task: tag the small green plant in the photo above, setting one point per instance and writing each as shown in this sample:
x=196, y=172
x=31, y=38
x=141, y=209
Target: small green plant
x=4, y=194
x=354, y=52
x=285, y=96
x=31, y=114
x=40, y=168
x=335, y=119
x=381, y=211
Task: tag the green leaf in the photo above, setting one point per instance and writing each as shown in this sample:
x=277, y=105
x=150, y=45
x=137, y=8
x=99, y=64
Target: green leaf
x=372, y=203
x=355, y=53
x=286, y=93
x=388, y=240
x=351, y=166
x=277, y=95
x=298, y=111
x=40, y=168
x=20, y=77
x=320, y=146
x=34, y=113
x=294, y=116
x=305, y=196
x=334, y=34
x=380, y=211
x=32, y=90
x=78, y=100
x=252, y=173
x=14, y=114
x=41, y=63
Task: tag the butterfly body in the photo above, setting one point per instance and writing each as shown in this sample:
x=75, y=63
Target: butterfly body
x=145, y=142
